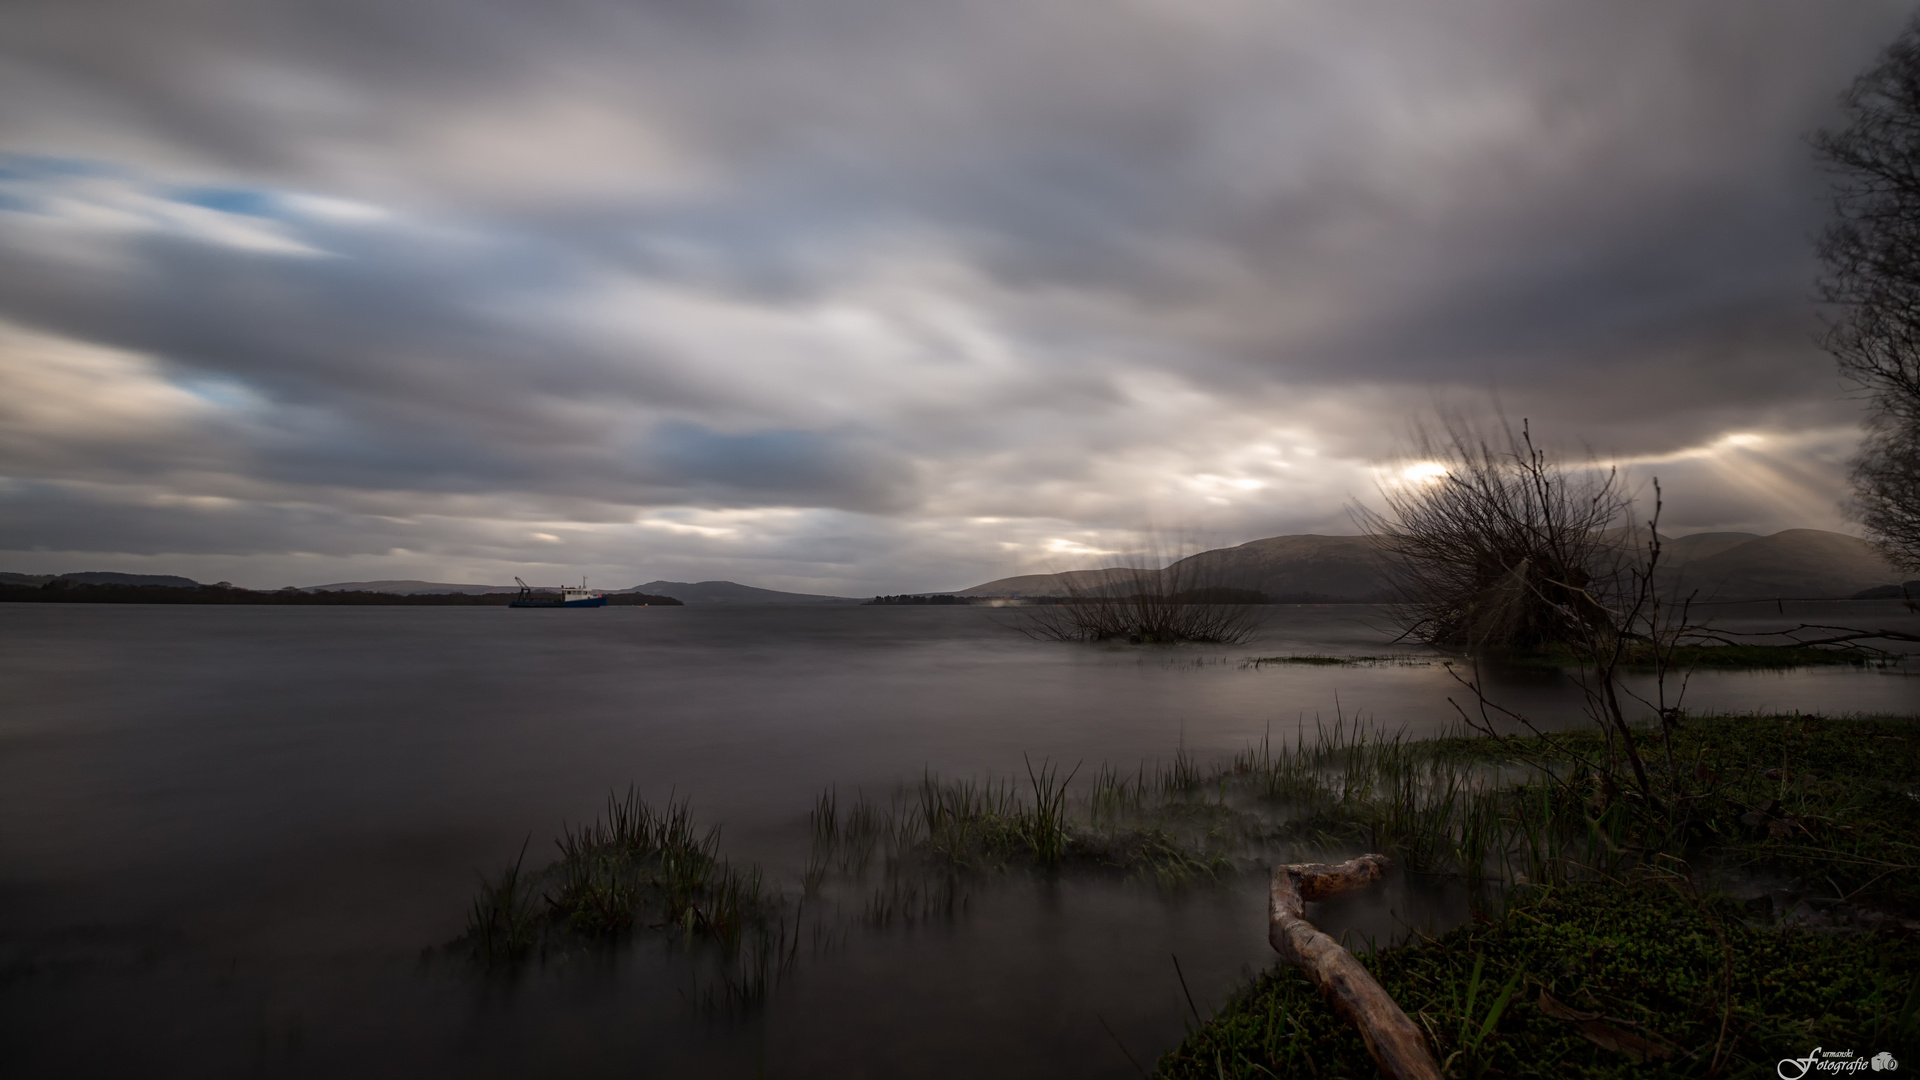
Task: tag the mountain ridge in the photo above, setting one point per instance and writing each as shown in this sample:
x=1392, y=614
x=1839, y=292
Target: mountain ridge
x=734, y=593
x=408, y=587
x=1717, y=566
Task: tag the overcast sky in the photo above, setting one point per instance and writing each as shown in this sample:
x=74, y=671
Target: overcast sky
x=863, y=296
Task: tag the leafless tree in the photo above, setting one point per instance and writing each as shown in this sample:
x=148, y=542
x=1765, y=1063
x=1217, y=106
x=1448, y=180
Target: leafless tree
x=1497, y=546
x=1632, y=619
x=1182, y=602
x=1871, y=283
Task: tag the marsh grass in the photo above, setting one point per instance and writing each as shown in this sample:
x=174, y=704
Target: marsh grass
x=1436, y=805
x=1717, y=656
x=943, y=830
x=1439, y=806
x=503, y=921
x=1185, y=601
x=1644, y=976
x=1478, y=810
x=1727, y=656
x=1828, y=809
x=634, y=866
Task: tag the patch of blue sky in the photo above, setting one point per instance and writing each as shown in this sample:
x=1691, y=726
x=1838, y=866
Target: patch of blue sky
x=247, y=202
x=20, y=166
x=223, y=392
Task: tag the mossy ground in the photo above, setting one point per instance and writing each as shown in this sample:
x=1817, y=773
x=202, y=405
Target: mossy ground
x=1687, y=976
x=1700, y=984
x=1736, y=657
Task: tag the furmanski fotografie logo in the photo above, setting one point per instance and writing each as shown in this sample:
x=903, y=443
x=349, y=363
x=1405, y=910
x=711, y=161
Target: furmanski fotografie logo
x=1834, y=1062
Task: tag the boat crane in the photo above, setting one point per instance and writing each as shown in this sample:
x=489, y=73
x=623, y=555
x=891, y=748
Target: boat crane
x=569, y=597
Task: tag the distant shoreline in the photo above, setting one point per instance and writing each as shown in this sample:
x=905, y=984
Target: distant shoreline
x=69, y=593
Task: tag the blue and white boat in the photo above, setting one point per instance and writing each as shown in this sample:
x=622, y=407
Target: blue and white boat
x=567, y=597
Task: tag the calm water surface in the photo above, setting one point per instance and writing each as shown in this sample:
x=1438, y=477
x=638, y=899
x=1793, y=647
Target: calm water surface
x=228, y=834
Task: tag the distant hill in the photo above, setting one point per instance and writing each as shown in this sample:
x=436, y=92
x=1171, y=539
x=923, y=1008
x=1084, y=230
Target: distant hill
x=1060, y=584
x=409, y=588
x=1287, y=568
x=1805, y=563
x=728, y=592
x=1682, y=550
x=108, y=577
x=1797, y=563
x=705, y=592
x=101, y=577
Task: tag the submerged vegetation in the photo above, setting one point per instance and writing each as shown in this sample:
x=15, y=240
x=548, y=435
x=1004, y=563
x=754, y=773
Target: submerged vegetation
x=1136, y=824
x=1763, y=897
x=637, y=866
x=1736, y=656
x=1180, y=603
x=1499, y=547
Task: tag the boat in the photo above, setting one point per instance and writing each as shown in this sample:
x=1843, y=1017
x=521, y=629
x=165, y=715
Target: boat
x=567, y=597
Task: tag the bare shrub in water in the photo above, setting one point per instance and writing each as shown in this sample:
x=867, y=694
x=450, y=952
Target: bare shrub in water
x=1182, y=602
x=1499, y=547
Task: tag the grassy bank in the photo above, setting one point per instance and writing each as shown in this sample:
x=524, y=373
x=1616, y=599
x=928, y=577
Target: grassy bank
x=1647, y=977
x=1763, y=909
x=1682, y=658
x=1721, y=657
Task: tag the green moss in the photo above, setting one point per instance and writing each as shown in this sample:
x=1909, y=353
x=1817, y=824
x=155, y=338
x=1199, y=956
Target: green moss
x=1829, y=806
x=1686, y=973
x=1834, y=802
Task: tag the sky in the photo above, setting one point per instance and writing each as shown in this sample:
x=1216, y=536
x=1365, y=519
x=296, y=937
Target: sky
x=874, y=296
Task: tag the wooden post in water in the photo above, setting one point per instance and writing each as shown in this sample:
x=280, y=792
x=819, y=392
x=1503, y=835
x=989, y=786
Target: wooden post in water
x=1396, y=1045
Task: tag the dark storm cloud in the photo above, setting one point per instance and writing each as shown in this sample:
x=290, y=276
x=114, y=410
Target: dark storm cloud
x=775, y=464
x=910, y=259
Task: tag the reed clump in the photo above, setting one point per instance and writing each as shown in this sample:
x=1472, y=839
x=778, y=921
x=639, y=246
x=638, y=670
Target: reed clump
x=637, y=865
x=1183, y=602
x=1492, y=813
x=1440, y=806
x=957, y=826
x=1447, y=806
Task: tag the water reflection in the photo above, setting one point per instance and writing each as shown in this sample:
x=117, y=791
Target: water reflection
x=227, y=834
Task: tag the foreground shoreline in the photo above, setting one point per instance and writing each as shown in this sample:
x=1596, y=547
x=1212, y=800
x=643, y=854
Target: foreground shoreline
x=1783, y=921
x=1770, y=909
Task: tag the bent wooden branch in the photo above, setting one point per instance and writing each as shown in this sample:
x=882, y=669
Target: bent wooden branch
x=1391, y=1038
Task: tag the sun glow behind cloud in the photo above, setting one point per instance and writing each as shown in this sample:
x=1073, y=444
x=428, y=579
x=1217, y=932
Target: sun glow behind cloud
x=638, y=302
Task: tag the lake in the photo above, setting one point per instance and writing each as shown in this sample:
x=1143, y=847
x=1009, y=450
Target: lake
x=233, y=839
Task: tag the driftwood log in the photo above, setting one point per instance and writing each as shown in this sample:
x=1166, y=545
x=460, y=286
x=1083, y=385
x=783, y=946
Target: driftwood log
x=1396, y=1045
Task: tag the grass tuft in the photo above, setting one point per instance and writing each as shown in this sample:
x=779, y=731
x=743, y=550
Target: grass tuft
x=637, y=864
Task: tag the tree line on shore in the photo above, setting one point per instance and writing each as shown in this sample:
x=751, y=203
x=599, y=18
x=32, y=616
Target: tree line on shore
x=59, y=591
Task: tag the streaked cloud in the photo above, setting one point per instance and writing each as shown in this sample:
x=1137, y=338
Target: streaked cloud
x=858, y=297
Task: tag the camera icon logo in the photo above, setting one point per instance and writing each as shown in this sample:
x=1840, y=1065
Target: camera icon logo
x=1883, y=1062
